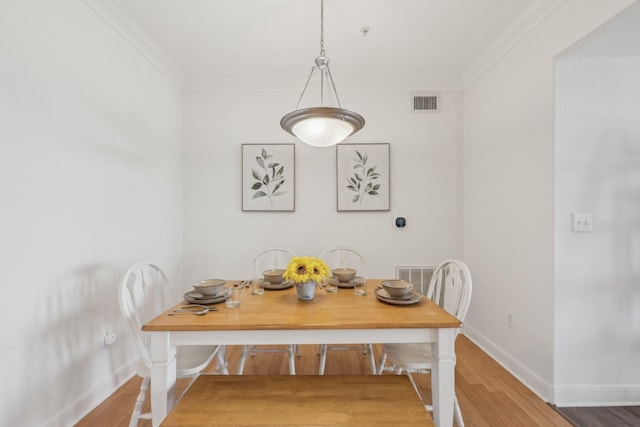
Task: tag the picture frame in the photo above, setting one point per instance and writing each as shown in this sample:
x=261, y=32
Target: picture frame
x=363, y=177
x=268, y=177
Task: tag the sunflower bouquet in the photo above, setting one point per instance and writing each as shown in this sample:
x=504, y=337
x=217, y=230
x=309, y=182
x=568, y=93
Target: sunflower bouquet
x=306, y=269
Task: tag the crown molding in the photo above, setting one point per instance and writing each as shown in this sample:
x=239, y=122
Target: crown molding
x=536, y=12
x=133, y=34
x=195, y=86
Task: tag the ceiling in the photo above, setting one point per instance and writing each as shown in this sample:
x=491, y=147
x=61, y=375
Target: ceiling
x=279, y=39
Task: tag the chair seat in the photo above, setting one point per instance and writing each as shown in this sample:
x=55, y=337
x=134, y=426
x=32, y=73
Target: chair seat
x=410, y=356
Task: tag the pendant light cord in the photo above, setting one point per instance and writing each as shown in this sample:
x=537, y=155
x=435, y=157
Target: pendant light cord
x=321, y=27
x=325, y=72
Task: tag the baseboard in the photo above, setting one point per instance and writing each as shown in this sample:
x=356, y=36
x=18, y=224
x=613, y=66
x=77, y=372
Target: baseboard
x=533, y=382
x=598, y=395
x=560, y=396
x=92, y=398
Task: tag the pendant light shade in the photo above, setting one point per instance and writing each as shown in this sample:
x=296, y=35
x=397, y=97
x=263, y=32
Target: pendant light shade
x=322, y=126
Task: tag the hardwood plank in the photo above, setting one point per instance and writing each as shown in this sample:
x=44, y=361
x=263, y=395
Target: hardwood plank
x=619, y=416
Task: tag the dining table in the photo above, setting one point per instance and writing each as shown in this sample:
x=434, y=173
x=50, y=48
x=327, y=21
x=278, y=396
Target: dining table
x=278, y=317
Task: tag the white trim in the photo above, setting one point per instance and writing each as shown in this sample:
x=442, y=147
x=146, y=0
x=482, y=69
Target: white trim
x=344, y=85
x=531, y=380
x=598, y=395
x=92, y=398
x=132, y=33
x=536, y=12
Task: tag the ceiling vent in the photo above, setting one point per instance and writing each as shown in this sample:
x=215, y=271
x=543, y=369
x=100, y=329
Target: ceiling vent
x=425, y=102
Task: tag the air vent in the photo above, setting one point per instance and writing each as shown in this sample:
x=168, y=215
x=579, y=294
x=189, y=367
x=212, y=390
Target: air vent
x=420, y=276
x=425, y=102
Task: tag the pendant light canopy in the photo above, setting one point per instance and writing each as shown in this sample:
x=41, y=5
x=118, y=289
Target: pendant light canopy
x=322, y=126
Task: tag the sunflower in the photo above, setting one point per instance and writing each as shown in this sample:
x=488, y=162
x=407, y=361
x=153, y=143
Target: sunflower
x=306, y=269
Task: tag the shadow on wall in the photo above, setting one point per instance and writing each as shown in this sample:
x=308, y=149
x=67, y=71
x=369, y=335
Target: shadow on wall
x=67, y=361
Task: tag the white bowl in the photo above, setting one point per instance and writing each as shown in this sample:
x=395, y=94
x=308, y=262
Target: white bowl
x=273, y=276
x=344, y=274
x=210, y=287
x=397, y=288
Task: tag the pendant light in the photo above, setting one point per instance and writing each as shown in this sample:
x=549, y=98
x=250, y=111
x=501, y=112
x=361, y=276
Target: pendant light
x=322, y=126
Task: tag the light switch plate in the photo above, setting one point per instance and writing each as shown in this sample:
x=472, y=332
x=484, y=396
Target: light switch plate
x=582, y=222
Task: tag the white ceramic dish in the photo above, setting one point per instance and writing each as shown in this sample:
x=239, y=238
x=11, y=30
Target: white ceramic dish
x=274, y=276
x=277, y=286
x=197, y=298
x=350, y=284
x=344, y=274
x=384, y=296
x=210, y=287
x=397, y=288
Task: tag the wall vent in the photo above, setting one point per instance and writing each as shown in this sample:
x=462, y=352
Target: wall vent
x=420, y=276
x=425, y=102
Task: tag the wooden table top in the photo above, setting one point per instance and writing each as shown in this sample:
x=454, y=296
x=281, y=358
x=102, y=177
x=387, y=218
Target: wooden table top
x=287, y=400
x=281, y=310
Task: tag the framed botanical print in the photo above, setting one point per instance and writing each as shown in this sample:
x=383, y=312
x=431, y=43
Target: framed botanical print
x=363, y=179
x=268, y=177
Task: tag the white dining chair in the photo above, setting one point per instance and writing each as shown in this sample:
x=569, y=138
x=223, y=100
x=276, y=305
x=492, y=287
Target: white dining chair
x=145, y=292
x=269, y=259
x=345, y=258
x=450, y=288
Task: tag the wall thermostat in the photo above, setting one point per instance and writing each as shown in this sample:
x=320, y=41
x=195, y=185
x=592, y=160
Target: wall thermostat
x=399, y=222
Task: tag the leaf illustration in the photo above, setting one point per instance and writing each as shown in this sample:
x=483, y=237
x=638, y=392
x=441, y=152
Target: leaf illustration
x=270, y=180
x=363, y=183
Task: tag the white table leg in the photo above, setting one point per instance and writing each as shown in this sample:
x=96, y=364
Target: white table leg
x=442, y=377
x=163, y=377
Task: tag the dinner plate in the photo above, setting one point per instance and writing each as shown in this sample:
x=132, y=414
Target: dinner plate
x=384, y=296
x=276, y=286
x=350, y=284
x=189, y=296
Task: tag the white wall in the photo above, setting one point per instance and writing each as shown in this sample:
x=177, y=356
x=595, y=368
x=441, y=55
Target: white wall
x=221, y=240
x=90, y=181
x=597, y=274
x=598, y=171
x=509, y=194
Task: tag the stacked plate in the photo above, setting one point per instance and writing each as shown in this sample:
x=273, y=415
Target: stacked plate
x=209, y=291
x=411, y=298
x=286, y=284
x=197, y=298
x=350, y=284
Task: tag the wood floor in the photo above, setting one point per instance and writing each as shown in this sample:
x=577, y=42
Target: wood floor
x=608, y=416
x=489, y=396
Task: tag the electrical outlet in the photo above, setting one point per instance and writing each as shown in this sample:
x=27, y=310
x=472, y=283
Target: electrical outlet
x=511, y=320
x=109, y=338
x=582, y=222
